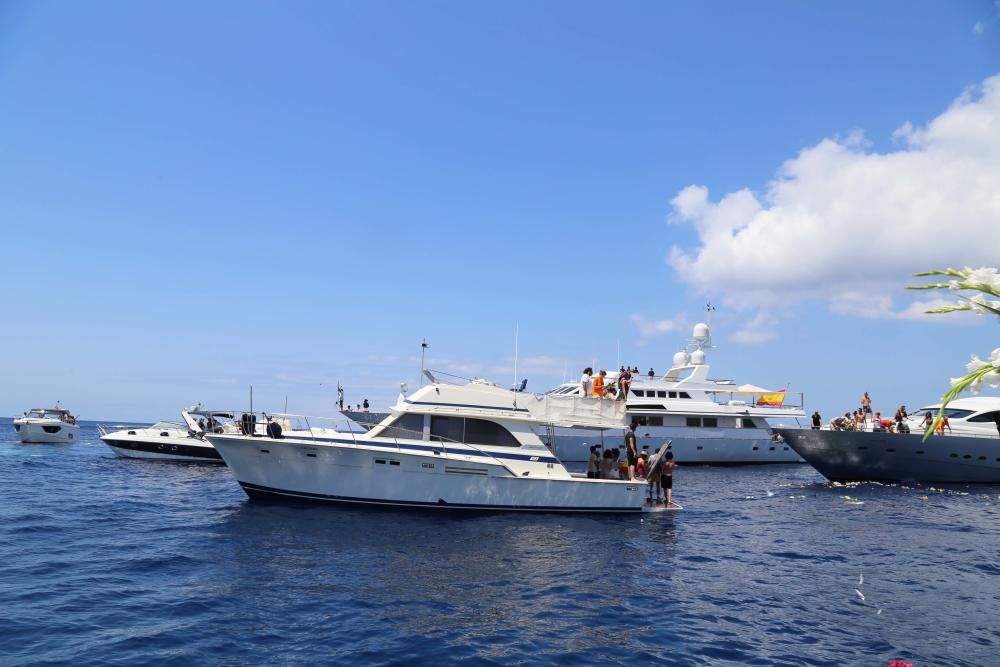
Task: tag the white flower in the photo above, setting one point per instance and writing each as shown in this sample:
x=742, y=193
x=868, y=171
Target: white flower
x=985, y=276
x=979, y=301
x=995, y=357
x=976, y=364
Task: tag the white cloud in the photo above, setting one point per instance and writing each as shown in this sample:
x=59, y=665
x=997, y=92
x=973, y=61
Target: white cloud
x=538, y=365
x=761, y=329
x=383, y=358
x=880, y=307
x=849, y=225
x=978, y=28
x=649, y=328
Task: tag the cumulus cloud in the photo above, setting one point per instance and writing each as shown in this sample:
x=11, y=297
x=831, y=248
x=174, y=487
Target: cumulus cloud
x=849, y=225
x=650, y=328
x=761, y=329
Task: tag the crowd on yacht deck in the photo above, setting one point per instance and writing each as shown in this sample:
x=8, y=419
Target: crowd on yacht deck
x=602, y=385
x=864, y=419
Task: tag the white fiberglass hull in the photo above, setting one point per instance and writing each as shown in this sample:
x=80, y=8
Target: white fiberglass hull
x=719, y=446
x=367, y=474
x=48, y=431
x=139, y=445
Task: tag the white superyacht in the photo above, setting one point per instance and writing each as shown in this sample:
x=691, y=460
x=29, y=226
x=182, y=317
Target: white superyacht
x=709, y=421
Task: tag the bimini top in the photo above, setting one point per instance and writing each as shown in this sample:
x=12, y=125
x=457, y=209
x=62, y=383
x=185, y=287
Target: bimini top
x=48, y=413
x=485, y=399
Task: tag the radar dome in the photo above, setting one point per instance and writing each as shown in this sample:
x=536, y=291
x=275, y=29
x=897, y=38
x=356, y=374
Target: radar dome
x=701, y=331
x=698, y=357
x=681, y=359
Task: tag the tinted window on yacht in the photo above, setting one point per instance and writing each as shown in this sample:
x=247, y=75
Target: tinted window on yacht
x=447, y=429
x=654, y=421
x=985, y=417
x=684, y=394
x=406, y=426
x=661, y=394
x=482, y=432
x=641, y=419
x=639, y=392
x=694, y=421
x=710, y=422
x=748, y=423
x=673, y=394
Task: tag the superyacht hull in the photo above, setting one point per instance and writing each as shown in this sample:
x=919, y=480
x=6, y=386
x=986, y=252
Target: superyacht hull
x=690, y=446
x=856, y=456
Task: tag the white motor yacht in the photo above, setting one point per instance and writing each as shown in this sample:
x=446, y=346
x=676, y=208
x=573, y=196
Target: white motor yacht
x=47, y=425
x=165, y=440
x=445, y=446
x=185, y=441
x=709, y=421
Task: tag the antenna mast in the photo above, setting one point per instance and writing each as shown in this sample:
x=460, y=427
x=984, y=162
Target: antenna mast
x=423, y=350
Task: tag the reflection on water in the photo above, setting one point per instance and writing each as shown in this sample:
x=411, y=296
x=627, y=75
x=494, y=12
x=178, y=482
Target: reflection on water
x=113, y=559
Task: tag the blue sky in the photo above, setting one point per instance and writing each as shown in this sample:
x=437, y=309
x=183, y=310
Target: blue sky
x=196, y=197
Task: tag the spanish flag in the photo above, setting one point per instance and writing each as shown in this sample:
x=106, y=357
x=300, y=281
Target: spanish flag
x=772, y=400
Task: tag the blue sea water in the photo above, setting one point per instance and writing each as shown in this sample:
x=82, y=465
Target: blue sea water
x=117, y=561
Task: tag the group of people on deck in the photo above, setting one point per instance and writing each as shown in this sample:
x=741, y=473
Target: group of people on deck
x=600, y=386
x=636, y=467
x=863, y=419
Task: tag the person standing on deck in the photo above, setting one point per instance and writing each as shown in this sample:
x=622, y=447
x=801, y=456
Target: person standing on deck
x=586, y=382
x=651, y=374
x=817, y=421
x=667, y=476
x=599, y=384
x=624, y=382
x=631, y=451
x=866, y=405
x=928, y=421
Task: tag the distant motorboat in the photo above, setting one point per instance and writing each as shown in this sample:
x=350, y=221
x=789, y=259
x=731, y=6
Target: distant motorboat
x=166, y=440
x=967, y=454
x=47, y=425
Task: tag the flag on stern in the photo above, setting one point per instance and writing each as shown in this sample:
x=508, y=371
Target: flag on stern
x=772, y=400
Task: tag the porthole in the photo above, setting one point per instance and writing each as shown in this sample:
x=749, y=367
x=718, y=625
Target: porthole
x=954, y=456
x=756, y=448
x=786, y=449
x=700, y=447
x=891, y=450
x=772, y=449
x=920, y=451
x=862, y=447
x=164, y=434
x=967, y=456
x=131, y=432
x=982, y=458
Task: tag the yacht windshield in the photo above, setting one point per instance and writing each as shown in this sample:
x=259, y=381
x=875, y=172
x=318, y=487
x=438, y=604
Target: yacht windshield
x=950, y=413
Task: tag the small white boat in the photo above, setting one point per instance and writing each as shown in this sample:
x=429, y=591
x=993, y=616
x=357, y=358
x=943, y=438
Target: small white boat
x=163, y=440
x=445, y=446
x=47, y=425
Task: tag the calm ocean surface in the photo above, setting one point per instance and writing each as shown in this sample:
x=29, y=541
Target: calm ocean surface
x=117, y=561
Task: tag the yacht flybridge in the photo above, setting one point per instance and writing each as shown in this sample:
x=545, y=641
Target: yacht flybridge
x=709, y=421
x=445, y=446
x=47, y=425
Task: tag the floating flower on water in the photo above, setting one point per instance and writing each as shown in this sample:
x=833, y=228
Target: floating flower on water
x=899, y=663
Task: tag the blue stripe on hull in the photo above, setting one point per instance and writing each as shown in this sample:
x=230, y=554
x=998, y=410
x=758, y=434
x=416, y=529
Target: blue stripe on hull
x=256, y=490
x=541, y=458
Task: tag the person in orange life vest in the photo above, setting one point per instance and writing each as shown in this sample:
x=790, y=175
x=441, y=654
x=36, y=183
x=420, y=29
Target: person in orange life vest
x=598, y=388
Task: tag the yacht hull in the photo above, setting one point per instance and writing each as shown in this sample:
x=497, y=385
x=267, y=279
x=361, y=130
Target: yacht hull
x=856, y=456
x=720, y=447
x=370, y=475
x=32, y=432
x=165, y=449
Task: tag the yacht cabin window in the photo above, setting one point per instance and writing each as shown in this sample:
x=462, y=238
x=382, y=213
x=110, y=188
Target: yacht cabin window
x=661, y=394
x=639, y=392
x=672, y=394
x=684, y=394
x=707, y=422
x=471, y=431
x=987, y=417
x=405, y=426
x=748, y=423
x=694, y=421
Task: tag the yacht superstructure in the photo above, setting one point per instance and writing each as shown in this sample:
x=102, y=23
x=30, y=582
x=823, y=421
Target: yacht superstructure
x=445, y=446
x=709, y=421
x=47, y=425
